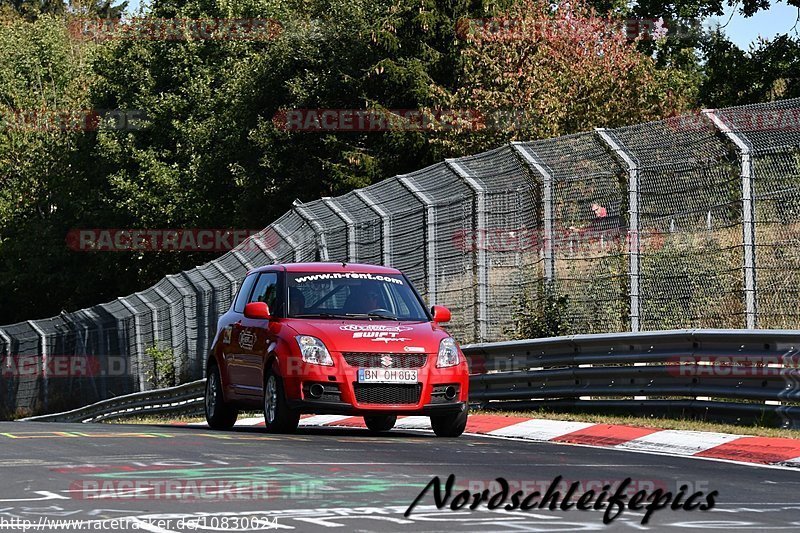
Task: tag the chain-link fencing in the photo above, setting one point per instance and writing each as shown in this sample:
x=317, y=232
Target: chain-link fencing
x=689, y=222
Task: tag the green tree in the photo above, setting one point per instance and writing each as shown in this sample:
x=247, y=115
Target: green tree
x=769, y=71
x=557, y=71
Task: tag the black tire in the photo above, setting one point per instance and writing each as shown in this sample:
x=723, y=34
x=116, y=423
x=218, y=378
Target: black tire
x=452, y=425
x=379, y=423
x=281, y=419
x=219, y=415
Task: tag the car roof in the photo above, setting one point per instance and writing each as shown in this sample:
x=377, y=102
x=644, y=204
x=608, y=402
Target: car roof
x=327, y=267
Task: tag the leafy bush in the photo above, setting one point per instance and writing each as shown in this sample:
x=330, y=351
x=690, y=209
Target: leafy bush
x=166, y=370
x=541, y=312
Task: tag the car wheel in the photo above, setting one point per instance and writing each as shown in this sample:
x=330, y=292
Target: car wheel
x=278, y=417
x=451, y=425
x=219, y=415
x=380, y=422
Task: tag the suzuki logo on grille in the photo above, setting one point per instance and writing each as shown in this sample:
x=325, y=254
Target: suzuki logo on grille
x=387, y=360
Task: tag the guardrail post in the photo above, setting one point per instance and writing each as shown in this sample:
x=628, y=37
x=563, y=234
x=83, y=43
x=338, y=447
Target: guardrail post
x=533, y=161
x=430, y=235
x=386, y=241
x=633, y=215
x=351, y=228
x=481, y=258
x=45, y=361
x=748, y=217
x=322, y=244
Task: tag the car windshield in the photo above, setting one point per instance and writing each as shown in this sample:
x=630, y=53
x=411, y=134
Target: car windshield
x=353, y=295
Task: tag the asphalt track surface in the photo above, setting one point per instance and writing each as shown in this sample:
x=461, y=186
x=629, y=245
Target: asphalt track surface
x=165, y=478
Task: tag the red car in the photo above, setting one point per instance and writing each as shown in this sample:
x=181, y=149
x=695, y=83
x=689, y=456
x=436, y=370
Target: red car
x=335, y=338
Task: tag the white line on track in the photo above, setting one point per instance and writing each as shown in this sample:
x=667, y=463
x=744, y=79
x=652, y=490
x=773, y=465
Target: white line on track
x=678, y=442
x=540, y=429
x=321, y=420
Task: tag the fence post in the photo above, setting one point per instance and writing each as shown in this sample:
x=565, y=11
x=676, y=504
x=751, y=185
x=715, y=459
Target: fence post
x=231, y=280
x=322, y=244
x=534, y=162
x=242, y=259
x=481, y=258
x=264, y=248
x=45, y=361
x=748, y=217
x=173, y=329
x=430, y=235
x=191, y=343
x=633, y=215
x=289, y=240
x=351, y=228
x=7, y=341
x=153, y=312
x=137, y=336
x=386, y=241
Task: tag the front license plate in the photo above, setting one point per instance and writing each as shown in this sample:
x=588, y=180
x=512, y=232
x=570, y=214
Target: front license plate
x=386, y=375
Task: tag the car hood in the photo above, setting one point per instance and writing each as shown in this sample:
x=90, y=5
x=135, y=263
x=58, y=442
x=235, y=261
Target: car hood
x=384, y=336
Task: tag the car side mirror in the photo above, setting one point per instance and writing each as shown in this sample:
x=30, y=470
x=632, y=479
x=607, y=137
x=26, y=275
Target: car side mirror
x=256, y=310
x=440, y=313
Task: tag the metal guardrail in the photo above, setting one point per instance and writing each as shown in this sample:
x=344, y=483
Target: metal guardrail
x=730, y=375
x=186, y=399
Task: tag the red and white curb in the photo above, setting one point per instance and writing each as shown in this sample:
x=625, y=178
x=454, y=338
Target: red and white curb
x=762, y=451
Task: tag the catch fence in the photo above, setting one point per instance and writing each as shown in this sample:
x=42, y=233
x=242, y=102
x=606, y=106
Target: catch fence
x=689, y=222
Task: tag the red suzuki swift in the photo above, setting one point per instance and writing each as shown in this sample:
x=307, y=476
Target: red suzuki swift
x=334, y=338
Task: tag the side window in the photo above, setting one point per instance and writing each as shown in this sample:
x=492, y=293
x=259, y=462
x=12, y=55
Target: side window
x=266, y=289
x=244, y=292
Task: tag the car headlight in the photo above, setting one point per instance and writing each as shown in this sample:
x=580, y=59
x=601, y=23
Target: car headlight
x=448, y=353
x=314, y=350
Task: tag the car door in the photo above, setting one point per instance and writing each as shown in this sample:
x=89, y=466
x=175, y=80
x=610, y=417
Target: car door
x=230, y=330
x=255, y=336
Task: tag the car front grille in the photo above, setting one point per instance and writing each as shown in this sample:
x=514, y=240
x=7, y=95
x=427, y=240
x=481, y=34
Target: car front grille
x=381, y=393
x=376, y=360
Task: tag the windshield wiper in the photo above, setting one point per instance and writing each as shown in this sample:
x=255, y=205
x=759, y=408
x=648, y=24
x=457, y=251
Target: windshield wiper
x=319, y=315
x=385, y=316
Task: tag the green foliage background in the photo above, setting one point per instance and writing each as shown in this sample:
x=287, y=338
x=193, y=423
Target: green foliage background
x=209, y=154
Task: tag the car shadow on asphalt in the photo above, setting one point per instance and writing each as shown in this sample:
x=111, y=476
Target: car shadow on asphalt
x=329, y=431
